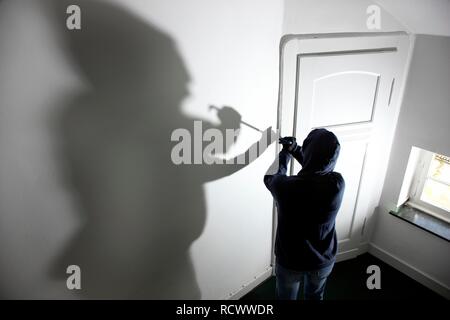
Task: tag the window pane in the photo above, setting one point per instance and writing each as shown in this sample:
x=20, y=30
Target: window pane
x=440, y=168
x=437, y=194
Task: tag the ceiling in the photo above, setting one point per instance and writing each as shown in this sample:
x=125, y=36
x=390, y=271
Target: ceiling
x=420, y=16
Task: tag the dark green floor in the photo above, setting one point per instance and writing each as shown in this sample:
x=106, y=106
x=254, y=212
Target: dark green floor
x=348, y=282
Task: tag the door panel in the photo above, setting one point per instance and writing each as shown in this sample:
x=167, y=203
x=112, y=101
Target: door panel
x=335, y=100
x=350, y=165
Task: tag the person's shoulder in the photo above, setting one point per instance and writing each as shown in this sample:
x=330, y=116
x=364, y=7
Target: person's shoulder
x=337, y=177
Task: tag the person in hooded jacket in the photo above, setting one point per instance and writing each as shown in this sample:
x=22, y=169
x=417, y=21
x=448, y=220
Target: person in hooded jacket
x=307, y=203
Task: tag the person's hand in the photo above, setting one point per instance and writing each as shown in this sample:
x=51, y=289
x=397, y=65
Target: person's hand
x=289, y=143
x=229, y=117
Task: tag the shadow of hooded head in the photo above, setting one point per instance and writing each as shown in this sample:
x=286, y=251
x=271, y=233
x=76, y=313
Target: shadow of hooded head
x=139, y=213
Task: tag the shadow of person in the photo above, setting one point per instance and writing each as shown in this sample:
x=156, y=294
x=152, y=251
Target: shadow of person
x=140, y=211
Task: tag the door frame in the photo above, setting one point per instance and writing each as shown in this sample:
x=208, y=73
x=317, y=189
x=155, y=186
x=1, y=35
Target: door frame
x=284, y=42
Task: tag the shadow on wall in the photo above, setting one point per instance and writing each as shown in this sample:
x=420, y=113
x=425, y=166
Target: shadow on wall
x=140, y=212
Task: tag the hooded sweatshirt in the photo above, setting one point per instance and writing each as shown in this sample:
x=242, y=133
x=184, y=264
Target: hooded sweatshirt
x=307, y=203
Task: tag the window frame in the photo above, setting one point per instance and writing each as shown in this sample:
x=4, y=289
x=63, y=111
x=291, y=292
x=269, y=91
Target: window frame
x=418, y=184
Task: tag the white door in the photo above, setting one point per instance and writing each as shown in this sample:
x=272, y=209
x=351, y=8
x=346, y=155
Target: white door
x=350, y=86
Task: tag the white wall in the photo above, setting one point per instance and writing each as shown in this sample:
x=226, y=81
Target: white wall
x=423, y=122
x=326, y=16
x=230, y=51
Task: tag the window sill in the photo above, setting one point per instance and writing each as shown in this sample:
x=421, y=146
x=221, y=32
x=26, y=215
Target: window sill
x=424, y=221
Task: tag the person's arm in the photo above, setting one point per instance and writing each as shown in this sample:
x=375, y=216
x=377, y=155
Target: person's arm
x=276, y=174
x=297, y=154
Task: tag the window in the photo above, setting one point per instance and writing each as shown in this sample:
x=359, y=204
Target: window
x=430, y=187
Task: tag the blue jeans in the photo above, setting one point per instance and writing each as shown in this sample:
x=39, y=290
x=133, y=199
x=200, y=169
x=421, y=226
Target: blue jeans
x=288, y=282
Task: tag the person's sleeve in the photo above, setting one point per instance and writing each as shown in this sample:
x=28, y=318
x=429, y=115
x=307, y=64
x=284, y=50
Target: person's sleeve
x=297, y=154
x=276, y=174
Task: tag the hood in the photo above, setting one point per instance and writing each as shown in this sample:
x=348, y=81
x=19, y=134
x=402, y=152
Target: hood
x=320, y=151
